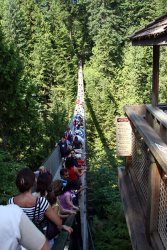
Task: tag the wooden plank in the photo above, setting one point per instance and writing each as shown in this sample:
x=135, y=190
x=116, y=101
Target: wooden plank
x=132, y=209
x=158, y=114
x=157, y=119
x=140, y=109
x=155, y=144
x=160, y=40
x=162, y=105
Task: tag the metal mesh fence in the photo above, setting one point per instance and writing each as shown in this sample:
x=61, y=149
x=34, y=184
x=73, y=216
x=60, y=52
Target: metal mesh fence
x=54, y=161
x=146, y=169
x=140, y=164
x=162, y=216
x=140, y=169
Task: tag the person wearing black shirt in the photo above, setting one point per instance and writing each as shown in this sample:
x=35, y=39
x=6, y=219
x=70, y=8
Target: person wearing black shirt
x=63, y=147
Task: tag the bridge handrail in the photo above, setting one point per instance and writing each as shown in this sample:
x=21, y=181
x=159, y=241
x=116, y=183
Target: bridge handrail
x=149, y=136
x=54, y=161
x=61, y=240
x=145, y=170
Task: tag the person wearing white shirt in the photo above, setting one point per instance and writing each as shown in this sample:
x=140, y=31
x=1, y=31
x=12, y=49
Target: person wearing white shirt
x=80, y=138
x=16, y=229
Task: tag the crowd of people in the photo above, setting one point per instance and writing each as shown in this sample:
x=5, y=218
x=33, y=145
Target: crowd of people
x=72, y=139
x=73, y=166
x=32, y=219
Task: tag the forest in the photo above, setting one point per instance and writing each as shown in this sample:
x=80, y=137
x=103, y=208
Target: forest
x=41, y=42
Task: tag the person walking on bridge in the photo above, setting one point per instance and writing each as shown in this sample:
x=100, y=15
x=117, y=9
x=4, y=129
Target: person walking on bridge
x=16, y=229
x=63, y=147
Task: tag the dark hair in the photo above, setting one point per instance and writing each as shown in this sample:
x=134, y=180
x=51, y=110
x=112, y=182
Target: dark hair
x=64, y=136
x=52, y=198
x=71, y=185
x=69, y=162
x=63, y=171
x=57, y=187
x=68, y=152
x=43, y=183
x=25, y=179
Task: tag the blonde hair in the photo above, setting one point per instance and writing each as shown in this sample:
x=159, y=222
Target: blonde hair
x=57, y=187
x=56, y=190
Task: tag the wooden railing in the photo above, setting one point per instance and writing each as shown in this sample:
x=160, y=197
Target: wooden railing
x=61, y=241
x=142, y=181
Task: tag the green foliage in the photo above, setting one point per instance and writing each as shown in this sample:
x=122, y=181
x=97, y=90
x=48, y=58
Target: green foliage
x=8, y=171
x=137, y=68
x=38, y=74
x=116, y=74
x=108, y=225
x=40, y=44
x=111, y=236
x=163, y=74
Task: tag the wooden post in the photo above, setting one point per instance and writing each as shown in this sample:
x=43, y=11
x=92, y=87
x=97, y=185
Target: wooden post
x=155, y=80
x=154, y=190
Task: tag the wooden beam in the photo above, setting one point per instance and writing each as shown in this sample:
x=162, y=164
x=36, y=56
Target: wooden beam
x=155, y=82
x=153, y=141
x=60, y=241
x=150, y=41
x=158, y=114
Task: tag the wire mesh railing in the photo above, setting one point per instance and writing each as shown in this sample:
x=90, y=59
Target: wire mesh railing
x=147, y=171
x=140, y=166
x=54, y=162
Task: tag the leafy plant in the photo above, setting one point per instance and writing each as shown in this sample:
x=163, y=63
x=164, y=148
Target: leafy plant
x=8, y=171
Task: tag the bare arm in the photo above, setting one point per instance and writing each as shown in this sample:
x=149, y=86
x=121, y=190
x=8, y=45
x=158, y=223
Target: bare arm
x=58, y=211
x=46, y=246
x=70, y=203
x=78, y=172
x=31, y=237
x=66, y=211
x=53, y=216
x=81, y=189
x=66, y=228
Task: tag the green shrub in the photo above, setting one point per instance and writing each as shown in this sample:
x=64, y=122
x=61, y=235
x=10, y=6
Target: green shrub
x=8, y=171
